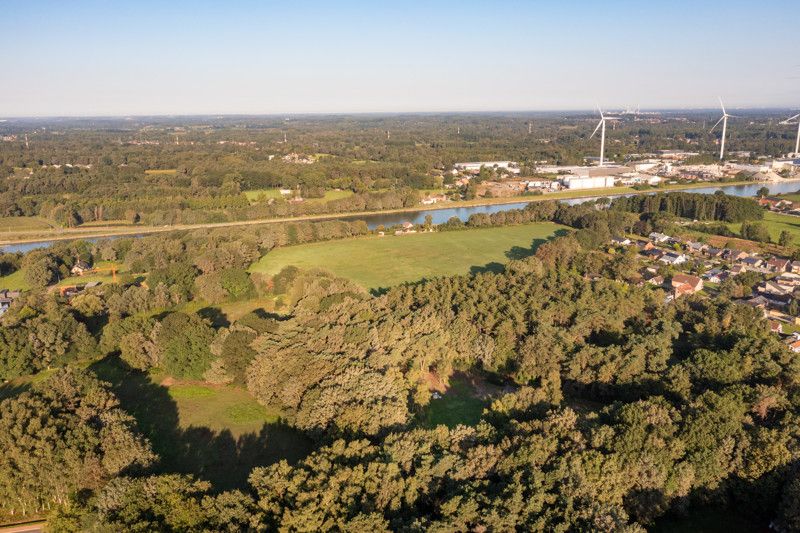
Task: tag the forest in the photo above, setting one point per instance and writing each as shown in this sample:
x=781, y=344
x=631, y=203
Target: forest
x=159, y=171
x=617, y=408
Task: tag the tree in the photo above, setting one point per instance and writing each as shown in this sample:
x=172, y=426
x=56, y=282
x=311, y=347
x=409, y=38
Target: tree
x=182, y=342
x=785, y=239
x=762, y=192
x=80, y=440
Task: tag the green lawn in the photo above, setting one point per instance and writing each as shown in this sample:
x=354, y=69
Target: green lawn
x=11, y=224
x=376, y=262
x=252, y=196
x=776, y=223
x=15, y=281
x=459, y=405
x=269, y=193
x=218, y=433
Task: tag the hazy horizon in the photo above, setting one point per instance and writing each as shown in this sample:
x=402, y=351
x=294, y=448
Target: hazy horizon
x=94, y=59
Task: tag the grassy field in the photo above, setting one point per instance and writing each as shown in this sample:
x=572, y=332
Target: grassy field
x=218, y=433
x=776, y=223
x=15, y=281
x=252, y=196
x=376, y=262
x=459, y=405
x=13, y=224
x=161, y=171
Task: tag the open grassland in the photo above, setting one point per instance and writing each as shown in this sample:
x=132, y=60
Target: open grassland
x=266, y=194
x=15, y=281
x=13, y=224
x=775, y=223
x=161, y=171
x=376, y=262
x=216, y=432
x=458, y=405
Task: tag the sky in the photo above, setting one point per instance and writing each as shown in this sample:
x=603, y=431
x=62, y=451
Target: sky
x=92, y=58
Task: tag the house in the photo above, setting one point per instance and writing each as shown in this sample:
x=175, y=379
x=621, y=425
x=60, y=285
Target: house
x=686, y=284
x=775, y=326
x=658, y=281
x=430, y=200
x=646, y=245
x=673, y=259
x=659, y=237
x=752, y=263
x=5, y=303
x=735, y=255
x=793, y=344
x=621, y=241
x=80, y=268
x=736, y=270
x=777, y=264
x=653, y=253
x=407, y=227
x=696, y=247
x=794, y=266
x=775, y=289
x=789, y=279
x=714, y=252
x=758, y=302
x=715, y=275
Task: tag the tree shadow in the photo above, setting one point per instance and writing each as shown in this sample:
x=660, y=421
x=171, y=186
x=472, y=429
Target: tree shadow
x=215, y=316
x=9, y=390
x=520, y=252
x=494, y=267
x=216, y=456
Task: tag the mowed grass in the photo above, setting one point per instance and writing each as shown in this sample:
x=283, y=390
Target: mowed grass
x=216, y=432
x=13, y=224
x=15, y=281
x=459, y=405
x=161, y=171
x=376, y=262
x=776, y=223
x=254, y=195
x=220, y=408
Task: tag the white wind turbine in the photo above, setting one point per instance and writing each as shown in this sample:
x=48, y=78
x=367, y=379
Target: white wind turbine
x=724, y=120
x=602, y=127
x=797, y=142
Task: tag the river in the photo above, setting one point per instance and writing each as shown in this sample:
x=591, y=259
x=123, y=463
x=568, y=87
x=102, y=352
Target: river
x=440, y=216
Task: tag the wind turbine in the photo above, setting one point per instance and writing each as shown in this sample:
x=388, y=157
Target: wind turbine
x=797, y=142
x=602, y=127
x=724, y=120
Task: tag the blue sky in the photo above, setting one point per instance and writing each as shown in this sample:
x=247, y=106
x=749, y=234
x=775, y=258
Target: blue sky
x=177, y=57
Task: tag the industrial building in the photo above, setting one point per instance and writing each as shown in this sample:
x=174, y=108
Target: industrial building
x=587, y=182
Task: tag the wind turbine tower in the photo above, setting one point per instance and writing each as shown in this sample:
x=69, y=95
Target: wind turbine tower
x=529, y=127
x=602, y=127
x=724, y=120
x=797, y=142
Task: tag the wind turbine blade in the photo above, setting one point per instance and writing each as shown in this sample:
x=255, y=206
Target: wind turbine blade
x=788, y=120
x=597, y=128
x=722, y=105
x=717, y=124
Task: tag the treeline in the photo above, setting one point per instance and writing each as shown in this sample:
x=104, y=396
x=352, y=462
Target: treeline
x=717, y=206
x=678, y=403
x=621, y=408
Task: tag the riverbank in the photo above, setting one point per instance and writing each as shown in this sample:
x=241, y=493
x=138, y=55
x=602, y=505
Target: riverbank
x=29, y=237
